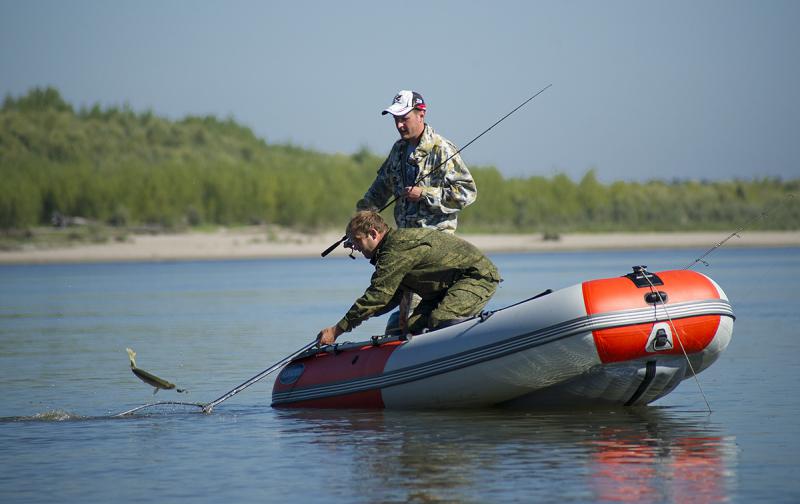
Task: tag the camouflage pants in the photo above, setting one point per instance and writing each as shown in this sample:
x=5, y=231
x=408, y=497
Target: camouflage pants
x=398, y=320
x=464, y=299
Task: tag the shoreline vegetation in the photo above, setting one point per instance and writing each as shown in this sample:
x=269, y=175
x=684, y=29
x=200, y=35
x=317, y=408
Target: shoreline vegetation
x=108, y=183
x=256, y=242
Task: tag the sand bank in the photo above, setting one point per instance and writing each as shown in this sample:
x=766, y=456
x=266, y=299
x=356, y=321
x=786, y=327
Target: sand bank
x=253, y=243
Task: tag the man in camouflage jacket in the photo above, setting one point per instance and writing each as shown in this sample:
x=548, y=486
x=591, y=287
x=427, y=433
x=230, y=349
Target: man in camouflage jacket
x=428, y=195
x=453, y=278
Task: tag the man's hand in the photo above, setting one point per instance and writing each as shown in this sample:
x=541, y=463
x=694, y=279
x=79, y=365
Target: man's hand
x=405, y=303
x=412, y=193
x=328, y=335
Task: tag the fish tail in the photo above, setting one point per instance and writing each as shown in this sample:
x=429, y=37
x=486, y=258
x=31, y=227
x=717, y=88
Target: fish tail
x=132, y=357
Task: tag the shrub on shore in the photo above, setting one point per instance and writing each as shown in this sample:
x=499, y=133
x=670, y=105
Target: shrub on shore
x=121, y=168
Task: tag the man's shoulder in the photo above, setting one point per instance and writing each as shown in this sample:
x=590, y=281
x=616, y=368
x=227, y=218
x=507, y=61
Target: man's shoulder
x=412, y=233
x=434, y=139
x=410, y=237
x=405, y=238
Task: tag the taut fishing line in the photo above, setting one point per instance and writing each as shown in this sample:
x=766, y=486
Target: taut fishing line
x=701, y=259
x=663, y=304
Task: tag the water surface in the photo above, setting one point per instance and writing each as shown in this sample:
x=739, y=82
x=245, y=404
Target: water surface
x=208, y=326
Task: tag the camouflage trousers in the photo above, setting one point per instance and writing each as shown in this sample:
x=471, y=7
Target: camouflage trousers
x=464, y=299
x=398, y=320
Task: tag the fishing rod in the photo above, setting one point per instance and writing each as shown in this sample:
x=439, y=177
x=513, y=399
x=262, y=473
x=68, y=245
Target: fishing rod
x=209, y=406
x=702, y=259
x=746, y=225
x=435, y=168
x=663, y=303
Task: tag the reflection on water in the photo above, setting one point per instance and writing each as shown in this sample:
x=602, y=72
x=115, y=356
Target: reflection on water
x=650, y=454
x=665, y=463
x=210, y=325
x=644, y=455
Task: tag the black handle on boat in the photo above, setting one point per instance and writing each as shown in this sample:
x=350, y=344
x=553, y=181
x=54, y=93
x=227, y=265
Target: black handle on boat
x=456, y=153
x=655, y=297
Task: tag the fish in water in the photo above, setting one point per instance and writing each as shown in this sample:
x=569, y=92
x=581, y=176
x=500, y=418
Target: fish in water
x=150, y=379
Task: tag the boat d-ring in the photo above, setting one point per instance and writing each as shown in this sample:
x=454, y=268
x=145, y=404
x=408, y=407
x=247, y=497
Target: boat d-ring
x=660, y=338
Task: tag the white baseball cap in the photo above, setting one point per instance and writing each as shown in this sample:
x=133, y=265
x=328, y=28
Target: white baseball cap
x=404, y=102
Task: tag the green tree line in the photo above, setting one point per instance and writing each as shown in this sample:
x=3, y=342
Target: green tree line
x=124, y=168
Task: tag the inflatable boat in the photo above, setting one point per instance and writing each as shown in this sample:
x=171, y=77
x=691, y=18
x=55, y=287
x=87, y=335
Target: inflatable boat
x=616, y=341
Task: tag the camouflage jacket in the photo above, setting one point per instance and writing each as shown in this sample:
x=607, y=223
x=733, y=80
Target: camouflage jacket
x=445, y=190
x=424, y=261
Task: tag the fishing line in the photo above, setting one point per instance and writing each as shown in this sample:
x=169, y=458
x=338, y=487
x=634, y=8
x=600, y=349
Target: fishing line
x=701, y=259
x=749, y=223
x=422, y=176
x=663, y=304
x=209, y=406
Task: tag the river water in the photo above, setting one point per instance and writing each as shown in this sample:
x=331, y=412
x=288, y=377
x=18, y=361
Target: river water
x=208, y=326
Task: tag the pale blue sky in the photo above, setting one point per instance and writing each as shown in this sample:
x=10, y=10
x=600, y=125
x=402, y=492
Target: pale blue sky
x=641, y=90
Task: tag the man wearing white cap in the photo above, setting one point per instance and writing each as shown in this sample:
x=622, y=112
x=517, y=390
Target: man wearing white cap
x=429, y=194
x=430, y=181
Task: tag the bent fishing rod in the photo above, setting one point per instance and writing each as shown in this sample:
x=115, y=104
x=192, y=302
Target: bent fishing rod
x=443, y=163
x=209, y=406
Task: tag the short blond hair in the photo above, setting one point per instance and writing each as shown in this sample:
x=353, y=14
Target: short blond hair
x=365, y=220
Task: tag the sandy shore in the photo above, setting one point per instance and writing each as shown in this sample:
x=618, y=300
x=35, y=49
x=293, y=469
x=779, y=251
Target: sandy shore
x=255, y=243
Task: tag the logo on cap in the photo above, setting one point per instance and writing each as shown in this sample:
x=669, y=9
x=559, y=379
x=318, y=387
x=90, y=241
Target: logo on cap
x=405, y=101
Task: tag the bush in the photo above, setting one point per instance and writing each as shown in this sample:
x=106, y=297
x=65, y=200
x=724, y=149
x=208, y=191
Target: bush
x=118, y=167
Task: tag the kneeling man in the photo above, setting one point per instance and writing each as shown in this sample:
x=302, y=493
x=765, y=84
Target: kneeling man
x=453, y=277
